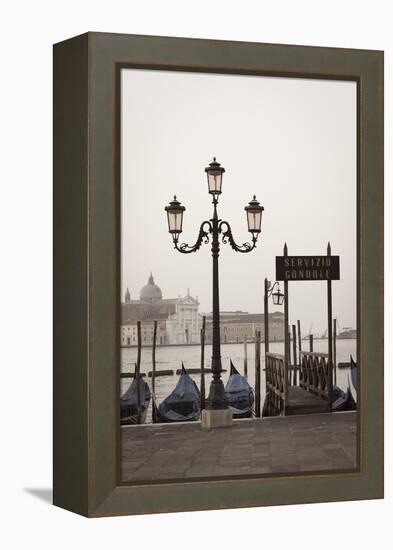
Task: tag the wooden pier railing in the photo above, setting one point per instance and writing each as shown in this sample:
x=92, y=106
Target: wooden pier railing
x=314, y=373
x=276, y=390
x=287, y=396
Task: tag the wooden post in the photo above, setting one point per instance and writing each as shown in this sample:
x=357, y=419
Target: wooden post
x=245, y=356
x=299, y=339
x=266, y=331
x=137, y=372
x=266, y=315
x=294, y=355
x=153, y=371
x=335, y=350
x=203, y=391
x=289, y=358
x=311, y=339
x=286, y=344
x=330, y=336
x=258, y=373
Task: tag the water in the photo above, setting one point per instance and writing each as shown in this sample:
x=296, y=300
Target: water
x=171, y=358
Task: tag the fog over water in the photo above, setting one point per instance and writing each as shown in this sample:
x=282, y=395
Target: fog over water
x=292, y=142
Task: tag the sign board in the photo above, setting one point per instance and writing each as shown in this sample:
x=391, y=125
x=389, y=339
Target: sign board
x=307, y=268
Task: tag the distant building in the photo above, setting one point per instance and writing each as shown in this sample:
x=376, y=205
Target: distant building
x=179, y=321
x=237, y=325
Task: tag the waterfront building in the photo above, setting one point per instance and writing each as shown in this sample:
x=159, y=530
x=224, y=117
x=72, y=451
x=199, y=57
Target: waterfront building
x=179, y=320
x=238, y=325
x=184, y=326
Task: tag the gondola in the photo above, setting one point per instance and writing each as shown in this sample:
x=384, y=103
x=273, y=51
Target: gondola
x=340, y=399
x=183, y=404
x=346, y=401
x=239, y=394
x=353, y=381
x=129, y=403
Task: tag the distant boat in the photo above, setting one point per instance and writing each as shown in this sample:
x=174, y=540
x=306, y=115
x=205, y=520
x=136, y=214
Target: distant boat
x=129, y=413
x=344, y=365
x=353, y=380
x=239, y=394
x=183, y=404
x=347, y=334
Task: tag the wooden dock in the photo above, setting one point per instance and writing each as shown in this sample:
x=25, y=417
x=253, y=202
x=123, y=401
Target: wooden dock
x=290, y=444
x=302, y=402
x=298, y=389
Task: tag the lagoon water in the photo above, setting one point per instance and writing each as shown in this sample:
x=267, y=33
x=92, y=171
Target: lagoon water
x=171, y=357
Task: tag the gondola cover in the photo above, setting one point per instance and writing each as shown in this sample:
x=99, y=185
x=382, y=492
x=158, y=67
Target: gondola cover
x=239, y=394
x=128, y=402
x=353, y=380
x=183, y=404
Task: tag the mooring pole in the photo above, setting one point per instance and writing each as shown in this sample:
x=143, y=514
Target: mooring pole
x=311, y=339
x=153, y=371
x=330, y=336
x=258, y=373
x=294, y=355
x=203, y=391
x=245, y=356
x=299, y=339
x=286, y=344
x=335, y=350
x=137, y=372
x=289, y=358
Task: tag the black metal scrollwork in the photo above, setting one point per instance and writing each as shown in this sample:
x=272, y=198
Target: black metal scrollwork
x=227, y=237
x=203, y=237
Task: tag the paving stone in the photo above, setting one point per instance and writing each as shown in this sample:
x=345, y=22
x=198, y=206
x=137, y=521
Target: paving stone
x=249, y=447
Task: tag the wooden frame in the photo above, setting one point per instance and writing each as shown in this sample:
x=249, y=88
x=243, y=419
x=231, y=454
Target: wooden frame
x=86, y=278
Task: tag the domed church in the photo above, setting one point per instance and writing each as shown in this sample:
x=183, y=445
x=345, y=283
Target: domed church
x=178, y=319
x=150, y=292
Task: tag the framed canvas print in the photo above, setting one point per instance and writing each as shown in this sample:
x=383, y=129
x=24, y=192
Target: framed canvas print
x=218, y=274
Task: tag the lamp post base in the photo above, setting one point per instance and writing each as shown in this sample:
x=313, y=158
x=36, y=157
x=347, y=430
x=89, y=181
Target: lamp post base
x=216, y=398
x=216, y=418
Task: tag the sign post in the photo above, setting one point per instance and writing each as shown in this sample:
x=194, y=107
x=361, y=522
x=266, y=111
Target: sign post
x=286, y=329
x=330, y=336
x=309, y=268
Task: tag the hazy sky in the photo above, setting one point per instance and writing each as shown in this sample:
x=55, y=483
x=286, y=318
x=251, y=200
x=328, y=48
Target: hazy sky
x=292, y=142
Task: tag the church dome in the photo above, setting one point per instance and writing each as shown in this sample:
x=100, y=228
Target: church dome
x=150, y=292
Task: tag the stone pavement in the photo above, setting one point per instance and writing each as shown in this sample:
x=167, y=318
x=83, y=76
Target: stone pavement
x=250, y=447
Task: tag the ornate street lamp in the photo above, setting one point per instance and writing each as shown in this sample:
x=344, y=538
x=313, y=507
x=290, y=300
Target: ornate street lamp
x=175, y=216
x=214, y=177
x=278, y=297
x=254, y=215
x=216, y=230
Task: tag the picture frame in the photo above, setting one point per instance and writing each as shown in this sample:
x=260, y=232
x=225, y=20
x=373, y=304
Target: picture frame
x=87, y=281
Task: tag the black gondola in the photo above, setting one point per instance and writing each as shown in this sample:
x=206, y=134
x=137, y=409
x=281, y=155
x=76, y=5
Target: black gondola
x=346, y=401
x=129, y=413
x=353, y=381
x=340, y=399
x=183, y=404
x=239, y=394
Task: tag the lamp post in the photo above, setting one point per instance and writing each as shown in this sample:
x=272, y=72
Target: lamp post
x=215, y=230
x=278, y=300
